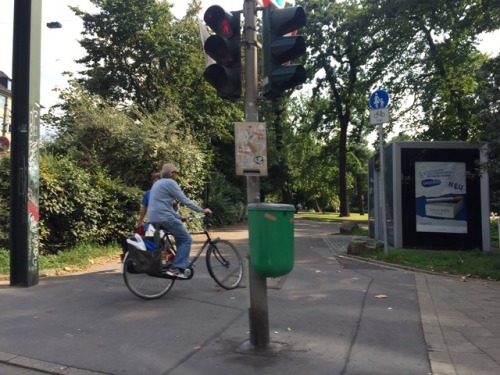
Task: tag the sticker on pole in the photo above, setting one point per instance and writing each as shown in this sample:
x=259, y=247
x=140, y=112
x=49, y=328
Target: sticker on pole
x=4, y=144
x=275, y=3
x=250, y=148
x=379, y=100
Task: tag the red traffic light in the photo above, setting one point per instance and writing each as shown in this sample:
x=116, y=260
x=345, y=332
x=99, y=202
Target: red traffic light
x=226, y=30
x=220, y=21
x=225, y=49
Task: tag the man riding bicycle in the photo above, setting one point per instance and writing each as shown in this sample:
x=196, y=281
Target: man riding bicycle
x=161, y=211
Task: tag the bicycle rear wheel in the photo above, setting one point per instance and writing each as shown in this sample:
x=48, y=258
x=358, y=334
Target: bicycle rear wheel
x=144, y=285
x=224, y=264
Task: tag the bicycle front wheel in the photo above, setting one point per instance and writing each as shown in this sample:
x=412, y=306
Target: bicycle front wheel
x=143, y=285
x=224, y=264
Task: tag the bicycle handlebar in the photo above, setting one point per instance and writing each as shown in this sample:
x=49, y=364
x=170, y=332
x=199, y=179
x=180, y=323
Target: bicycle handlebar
x=195, y=217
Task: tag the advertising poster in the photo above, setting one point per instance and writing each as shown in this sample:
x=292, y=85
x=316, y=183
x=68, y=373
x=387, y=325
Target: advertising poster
x=441, y=197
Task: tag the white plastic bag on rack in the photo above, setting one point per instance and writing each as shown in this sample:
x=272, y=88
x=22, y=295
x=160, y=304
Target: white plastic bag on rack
x=138, y=243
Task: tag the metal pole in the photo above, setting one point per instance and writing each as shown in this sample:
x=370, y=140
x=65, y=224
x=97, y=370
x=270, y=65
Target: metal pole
x=24, y=159
x=382, y=187
x=258, y=310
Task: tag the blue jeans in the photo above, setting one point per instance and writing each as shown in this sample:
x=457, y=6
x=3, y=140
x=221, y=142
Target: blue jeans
x=182, y=242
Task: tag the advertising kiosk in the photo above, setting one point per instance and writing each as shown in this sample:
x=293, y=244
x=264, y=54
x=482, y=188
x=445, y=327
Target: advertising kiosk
x=436, y=195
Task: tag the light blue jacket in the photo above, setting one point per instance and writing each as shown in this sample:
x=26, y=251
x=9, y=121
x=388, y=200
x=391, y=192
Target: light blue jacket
x=161, y=201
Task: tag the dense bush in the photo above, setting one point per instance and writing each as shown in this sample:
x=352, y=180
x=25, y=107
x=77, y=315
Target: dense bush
x=83, y=205
x=94, y=170
x=77, y=205
x=80, y=205
x=226, y=201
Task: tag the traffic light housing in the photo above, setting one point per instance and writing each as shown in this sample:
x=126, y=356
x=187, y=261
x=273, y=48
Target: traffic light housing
x=225, y=48
x=279, y=49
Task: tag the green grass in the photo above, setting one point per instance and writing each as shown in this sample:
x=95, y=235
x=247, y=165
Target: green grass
x=332, y=217
x=494, y=233
x=79, y=258
x=484, y=265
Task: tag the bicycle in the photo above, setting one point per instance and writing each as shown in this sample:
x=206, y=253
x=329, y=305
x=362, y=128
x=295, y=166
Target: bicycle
x=223, y=260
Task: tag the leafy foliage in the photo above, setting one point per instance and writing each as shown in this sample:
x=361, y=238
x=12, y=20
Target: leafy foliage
x=77, y=205
x=131, y=145
x=345, y=39
x=137, y=52
x=127, y=148
x=488, y=93
x=141, y=101
x=124, y=44
x=227, y=199
x=443, y=70
x=419, y=50
x=81, y=205
x=4, y=201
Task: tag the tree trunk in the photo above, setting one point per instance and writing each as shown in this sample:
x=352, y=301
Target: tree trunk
x=359, y=193
x=344, y=205
x=316, y=206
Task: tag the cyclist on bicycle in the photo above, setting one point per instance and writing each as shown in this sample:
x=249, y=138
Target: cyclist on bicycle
x=161, y=211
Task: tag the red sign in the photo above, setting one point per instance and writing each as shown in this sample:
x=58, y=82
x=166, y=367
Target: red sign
x=33, y=210
x=4, y=144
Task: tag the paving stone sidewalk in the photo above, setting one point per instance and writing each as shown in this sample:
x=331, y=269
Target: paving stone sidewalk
x=460, y=319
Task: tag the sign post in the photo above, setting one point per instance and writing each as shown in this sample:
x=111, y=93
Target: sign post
x=379, y=115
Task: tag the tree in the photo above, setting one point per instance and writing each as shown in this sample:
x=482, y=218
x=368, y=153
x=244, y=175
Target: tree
x=357, y=161
x=138, y=53
x=441, y=73
x=279, y=183
x=343, y=38
x=129, y=145
x=312, y=163
x=141, y=101
x=488, y=93
x=124, y=44
x=423, y=50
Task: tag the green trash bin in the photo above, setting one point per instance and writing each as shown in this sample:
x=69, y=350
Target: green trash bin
x=271, y=233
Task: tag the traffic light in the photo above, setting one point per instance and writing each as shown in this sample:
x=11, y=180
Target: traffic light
x=225, y=48
x=279, y=49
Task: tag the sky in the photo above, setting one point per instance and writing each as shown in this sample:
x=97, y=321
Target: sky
x=60, y=47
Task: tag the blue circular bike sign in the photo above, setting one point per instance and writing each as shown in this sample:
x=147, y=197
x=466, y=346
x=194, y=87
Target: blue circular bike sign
x=379, y=99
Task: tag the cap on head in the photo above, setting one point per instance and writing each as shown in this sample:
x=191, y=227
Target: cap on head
x=166, y=171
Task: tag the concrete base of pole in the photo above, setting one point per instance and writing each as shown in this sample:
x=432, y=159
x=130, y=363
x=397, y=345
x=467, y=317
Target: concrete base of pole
x=271, y=350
